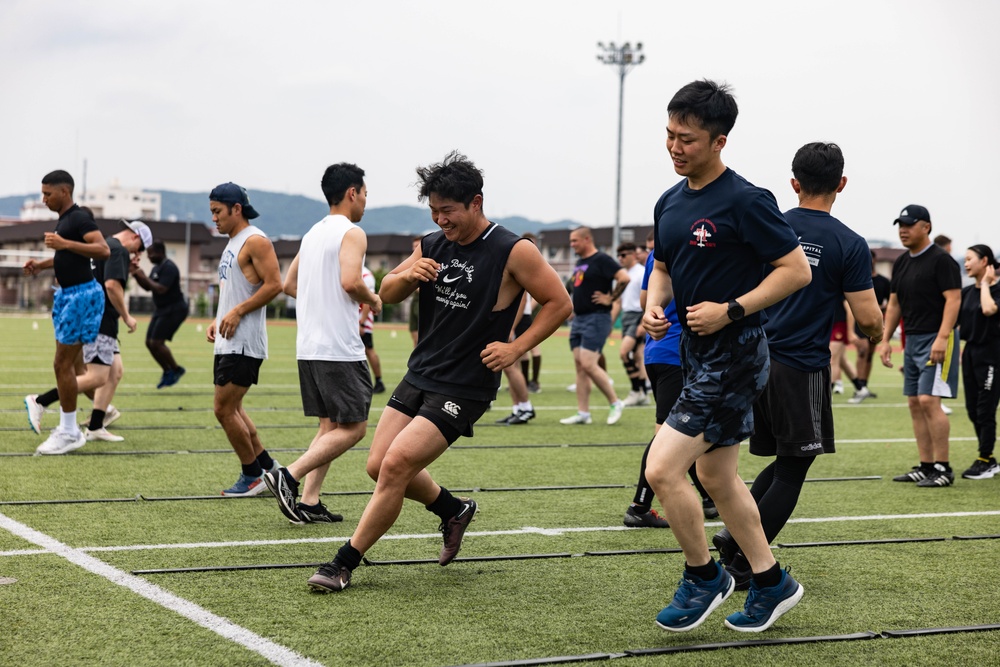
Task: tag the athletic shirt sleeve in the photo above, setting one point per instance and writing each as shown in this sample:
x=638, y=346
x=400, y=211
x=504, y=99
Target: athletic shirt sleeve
x=857, y=264
x=765, y=229
x=947, y=273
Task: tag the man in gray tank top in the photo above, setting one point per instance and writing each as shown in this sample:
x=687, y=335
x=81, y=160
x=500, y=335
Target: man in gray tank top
x=249, y=278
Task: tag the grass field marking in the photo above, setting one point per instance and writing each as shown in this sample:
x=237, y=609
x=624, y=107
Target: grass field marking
x=526, y=530
x=275, y=653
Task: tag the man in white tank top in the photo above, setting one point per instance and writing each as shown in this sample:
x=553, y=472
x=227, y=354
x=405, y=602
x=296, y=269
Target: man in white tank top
x=249, y=278
x=325, y=280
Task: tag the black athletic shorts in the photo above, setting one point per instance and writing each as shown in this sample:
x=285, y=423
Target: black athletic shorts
x=368, y=341
x=522, y=325
x=166, y=321
x=794, y=414
x=239, y=369
x=453, y=416
x=667, y=381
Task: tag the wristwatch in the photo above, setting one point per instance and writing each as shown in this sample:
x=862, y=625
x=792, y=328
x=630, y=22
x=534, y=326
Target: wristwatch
x=735, y=311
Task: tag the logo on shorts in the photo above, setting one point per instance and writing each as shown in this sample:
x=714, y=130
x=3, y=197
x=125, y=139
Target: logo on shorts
x=451, y=408
x=703, y=230
x=813, y=446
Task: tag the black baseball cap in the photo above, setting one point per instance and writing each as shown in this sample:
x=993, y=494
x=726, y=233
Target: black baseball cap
x=230, y=193
x=912, y=214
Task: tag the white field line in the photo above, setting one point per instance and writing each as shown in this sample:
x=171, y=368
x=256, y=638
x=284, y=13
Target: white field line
x=275, y=653
x=526, y=530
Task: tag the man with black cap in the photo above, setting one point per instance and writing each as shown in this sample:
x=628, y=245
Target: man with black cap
x=925, y=291
x=249, y=278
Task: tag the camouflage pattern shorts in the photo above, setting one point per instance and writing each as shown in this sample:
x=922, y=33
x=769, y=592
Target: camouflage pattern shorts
x=723, y=375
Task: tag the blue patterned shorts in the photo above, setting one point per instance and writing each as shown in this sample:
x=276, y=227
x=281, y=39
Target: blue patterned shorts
x=77, y=312
x=723, y=376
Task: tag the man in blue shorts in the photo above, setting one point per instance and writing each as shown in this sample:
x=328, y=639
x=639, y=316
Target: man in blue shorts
x=78, y=304
x=715, y=233
x=593, y=296
x=793, y=418
x=926, y=293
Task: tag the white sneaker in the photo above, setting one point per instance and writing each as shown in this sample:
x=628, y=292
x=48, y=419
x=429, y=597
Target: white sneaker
x=945, y=409
x=111, y=415
x=61, y=442
x=635, y=398
x=838, y=387
x=571, y=387
x=101, y=434
x=860, y=395
x=615, y=413
x=35, y=412
x=577, y=419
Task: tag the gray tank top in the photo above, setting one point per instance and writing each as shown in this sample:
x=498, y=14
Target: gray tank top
x=251, y=335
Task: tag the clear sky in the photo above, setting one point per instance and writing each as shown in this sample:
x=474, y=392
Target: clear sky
x=183, y=95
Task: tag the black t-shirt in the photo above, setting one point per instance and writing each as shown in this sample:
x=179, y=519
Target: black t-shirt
x=882, y=290
x=457, y=320
x=592, y=274
x=977, y=329
x=919, y=284
x=114, y=267
x=72, y=268
x=167, y=274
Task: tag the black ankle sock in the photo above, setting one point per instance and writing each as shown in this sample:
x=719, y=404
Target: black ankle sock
x=48, y=398
x=96, y=419
x=347, y=556
x=637, y=384
x=640, y=509
x=925, y=466
x=705, y=572
x=769, y=577
x=857, y=384
x=446, y=505
x=265, y=460
x=252, y=469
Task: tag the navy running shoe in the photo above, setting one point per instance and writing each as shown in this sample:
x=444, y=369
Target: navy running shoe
x=764, y=606
x=694, y=600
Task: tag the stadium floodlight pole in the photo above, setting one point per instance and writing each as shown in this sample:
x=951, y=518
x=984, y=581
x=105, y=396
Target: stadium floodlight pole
x=623, y=57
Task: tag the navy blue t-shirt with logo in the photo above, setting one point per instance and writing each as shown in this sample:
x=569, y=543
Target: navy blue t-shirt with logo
x=798, y=327
x=716, y=241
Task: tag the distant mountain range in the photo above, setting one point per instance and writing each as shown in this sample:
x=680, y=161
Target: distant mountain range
x=293, y=215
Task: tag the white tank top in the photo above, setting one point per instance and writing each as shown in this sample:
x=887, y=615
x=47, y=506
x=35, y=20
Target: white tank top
x=326, y=315
x=250, y=338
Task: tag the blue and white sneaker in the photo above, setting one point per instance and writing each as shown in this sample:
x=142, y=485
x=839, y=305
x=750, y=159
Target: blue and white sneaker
x=246, y=486
x=694, y=600
x=766, y=605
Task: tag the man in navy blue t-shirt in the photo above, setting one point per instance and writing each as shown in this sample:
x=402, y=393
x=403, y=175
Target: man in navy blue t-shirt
x=715, y=234
x=793, y=418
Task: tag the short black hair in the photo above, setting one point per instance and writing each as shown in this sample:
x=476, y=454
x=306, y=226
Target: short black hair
x=59, y=177
x=626, y=247
x=338, y=179
x=455, y=178
x=818, y=167
x=709, y=103
x=157, y=246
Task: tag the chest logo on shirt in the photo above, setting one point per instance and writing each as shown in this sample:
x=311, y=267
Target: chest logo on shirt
x=578, y=273
x=449, y=294
x=225, y=263
x=703, y=230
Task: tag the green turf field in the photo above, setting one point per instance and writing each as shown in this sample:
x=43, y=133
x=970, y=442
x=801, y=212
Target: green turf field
x=155, y=505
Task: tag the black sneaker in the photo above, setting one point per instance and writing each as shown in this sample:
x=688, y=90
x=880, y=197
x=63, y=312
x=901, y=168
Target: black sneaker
x=454, y=529
x=317, y=513
x=650, y=519
x=523, y=417
x=938, y=477
x=330, y=578
x=709, y=509
x=285, y=489
x=732, y=559
x=533, y=388
x=982, y=469
x=378, y=387
x=916, y=474
x=508, y=420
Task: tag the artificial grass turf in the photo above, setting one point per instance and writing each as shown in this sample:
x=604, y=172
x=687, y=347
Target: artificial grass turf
x=468, y=612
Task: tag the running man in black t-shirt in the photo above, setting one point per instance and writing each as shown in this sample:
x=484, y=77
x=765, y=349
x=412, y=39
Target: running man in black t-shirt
x=715, y=234
x=471, y=274
x=864, y=346
x=76, y=308
x=171, y=309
